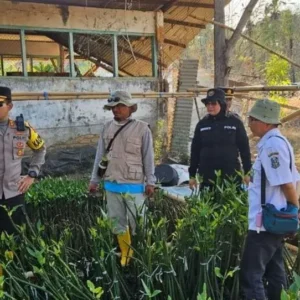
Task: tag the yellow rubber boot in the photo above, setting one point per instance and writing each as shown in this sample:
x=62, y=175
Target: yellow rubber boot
x=124, y=241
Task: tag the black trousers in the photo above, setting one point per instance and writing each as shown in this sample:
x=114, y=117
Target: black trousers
x=18, y=216
x=262, y=262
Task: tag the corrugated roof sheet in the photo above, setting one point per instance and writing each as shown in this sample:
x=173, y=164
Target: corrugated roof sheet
x=139, y=63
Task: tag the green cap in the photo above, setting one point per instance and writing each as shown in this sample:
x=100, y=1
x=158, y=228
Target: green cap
x=266, y=111
x=119, y=97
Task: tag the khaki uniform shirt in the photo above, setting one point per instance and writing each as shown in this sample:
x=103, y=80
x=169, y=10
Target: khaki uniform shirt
x=12, y=148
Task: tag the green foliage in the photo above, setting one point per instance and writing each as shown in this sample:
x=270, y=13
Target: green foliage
x=181, y=251
x=43, y=68
x=159, y=140
x=277, y=73
x=277, y=29
x=293, y=293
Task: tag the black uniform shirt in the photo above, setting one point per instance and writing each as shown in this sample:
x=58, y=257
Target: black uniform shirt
x=217, y=143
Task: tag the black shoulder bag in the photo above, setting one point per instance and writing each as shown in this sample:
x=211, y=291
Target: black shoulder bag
x=104, y=161
x=284, y=221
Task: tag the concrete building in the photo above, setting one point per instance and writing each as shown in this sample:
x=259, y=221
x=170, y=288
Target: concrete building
x=90, y=46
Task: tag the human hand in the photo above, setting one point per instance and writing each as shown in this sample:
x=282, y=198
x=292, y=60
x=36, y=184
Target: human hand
x=247, y=180
x=149, y=190
x=93, y=187
x=25, y=183
x=193, y=183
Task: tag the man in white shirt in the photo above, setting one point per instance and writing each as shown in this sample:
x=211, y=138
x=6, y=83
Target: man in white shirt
x=262, y=257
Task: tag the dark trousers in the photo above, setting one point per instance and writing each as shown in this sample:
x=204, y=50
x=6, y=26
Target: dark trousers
x=262, y=261
x=17, y=217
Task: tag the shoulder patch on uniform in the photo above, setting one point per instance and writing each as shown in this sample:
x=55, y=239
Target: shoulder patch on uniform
x=35, y=142
x=275, y=162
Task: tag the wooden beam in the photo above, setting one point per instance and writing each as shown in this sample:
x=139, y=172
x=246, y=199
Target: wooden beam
x=168, y=5
x=194, y=4
x=174, y=43
x=184, y=23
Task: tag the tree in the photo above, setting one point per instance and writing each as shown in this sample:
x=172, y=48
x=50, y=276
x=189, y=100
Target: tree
x=223, y=47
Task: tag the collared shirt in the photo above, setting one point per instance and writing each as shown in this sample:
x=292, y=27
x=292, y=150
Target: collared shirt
x=274, y=153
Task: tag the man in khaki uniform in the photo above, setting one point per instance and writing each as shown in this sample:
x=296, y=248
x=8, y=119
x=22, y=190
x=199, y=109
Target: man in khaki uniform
x=14, y=136
x=130, y=168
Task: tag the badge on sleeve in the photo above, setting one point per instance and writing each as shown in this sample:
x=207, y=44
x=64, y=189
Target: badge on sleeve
x=275, y=162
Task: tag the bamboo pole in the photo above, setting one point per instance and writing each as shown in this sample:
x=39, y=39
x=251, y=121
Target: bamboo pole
x=256, y=88
x=191, y=93
x=286, y=119
x=292, y=247
x=249, y=39
x=95, y=96
x=258, y=99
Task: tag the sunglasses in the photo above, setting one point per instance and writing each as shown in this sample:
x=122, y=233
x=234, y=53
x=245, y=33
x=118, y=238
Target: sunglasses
x=113, y=99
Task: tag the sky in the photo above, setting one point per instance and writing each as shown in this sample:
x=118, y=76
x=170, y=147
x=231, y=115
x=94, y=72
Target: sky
x=235, y=9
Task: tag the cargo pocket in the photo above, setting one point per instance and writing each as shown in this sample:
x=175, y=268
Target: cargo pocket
x=133, y=146
x=134, y=171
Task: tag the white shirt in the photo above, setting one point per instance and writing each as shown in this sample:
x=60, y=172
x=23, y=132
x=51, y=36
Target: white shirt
x=273, y=154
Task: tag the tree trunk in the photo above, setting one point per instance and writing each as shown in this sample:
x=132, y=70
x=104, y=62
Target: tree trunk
x=220, y=45
x=223, y=49
x=291, y=48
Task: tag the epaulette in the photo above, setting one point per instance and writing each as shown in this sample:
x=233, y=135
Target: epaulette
x=34, y=142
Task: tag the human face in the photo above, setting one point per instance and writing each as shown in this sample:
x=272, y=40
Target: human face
x=257, y=127
x=121, y=112
x=213, y=107
x=4, y=110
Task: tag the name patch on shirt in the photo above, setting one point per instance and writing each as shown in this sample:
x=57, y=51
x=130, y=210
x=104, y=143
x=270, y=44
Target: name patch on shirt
x=205, y=128
x=230, y=127
x=273, y=154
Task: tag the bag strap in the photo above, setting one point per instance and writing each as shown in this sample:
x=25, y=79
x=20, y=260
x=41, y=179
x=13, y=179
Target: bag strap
x=115, y=135
x=263, y=174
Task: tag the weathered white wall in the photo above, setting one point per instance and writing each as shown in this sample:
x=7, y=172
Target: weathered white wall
x=80, y=18
x=59, y=121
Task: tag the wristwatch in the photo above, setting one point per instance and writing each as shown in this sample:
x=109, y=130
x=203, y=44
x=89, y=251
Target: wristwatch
x=32, y=174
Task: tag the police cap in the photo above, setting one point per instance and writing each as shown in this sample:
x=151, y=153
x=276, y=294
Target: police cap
x=5, y=94
x=228, y=92
x=214, y=95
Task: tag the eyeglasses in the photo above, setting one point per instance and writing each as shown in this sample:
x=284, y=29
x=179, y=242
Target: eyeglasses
x=113, y=99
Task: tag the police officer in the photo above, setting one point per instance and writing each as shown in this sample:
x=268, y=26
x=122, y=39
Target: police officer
x=218, y=140
x=14, y=136
x=262, y=257
x=129, y=176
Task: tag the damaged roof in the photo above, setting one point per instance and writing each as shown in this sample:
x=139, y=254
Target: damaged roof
x=135, y=55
